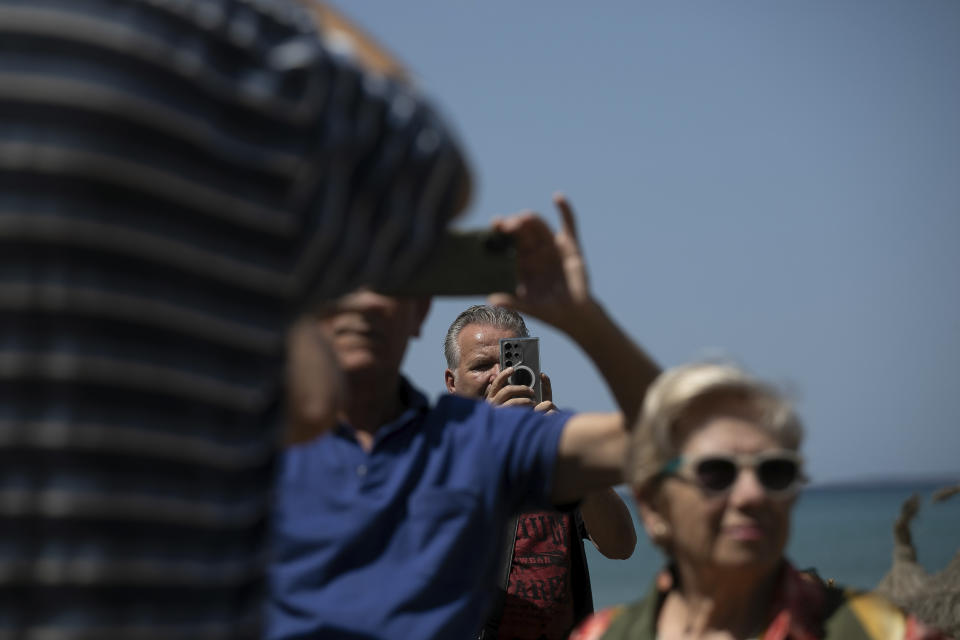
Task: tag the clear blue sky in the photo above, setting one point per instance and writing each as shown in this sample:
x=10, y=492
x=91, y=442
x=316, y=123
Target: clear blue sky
x=776, y=182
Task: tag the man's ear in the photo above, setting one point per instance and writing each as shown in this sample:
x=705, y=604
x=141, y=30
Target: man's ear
x=421, y=311
x=450, y=381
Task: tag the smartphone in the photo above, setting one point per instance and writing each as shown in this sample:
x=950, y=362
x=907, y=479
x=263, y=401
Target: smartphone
x=523, y=354
x=466, y=263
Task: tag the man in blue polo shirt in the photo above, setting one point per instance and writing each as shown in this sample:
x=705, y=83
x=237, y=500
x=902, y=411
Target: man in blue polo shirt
x=387, y=528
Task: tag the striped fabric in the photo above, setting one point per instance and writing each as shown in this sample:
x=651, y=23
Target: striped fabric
x=178, y=179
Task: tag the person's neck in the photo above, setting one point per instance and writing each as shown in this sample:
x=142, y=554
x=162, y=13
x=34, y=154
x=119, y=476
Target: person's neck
x=718, y=604
x=371, y=403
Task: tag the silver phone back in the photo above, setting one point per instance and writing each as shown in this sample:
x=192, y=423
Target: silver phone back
x=523, y=354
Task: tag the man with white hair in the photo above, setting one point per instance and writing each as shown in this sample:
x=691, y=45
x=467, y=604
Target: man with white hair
x=543, y=581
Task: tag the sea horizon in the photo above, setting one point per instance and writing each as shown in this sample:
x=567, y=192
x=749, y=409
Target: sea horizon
x=885, y=481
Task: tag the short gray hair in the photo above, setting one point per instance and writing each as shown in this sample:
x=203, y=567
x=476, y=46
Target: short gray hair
x=499, y=317
x=657, y=438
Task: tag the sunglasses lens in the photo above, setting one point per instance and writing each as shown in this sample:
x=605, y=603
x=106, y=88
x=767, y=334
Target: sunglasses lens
x=777, y=474
x=716, y=474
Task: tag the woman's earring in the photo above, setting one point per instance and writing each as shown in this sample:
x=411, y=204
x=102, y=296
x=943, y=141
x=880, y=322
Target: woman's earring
x=659, y=531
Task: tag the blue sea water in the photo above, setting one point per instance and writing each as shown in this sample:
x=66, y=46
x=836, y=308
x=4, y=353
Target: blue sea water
x=845, y=532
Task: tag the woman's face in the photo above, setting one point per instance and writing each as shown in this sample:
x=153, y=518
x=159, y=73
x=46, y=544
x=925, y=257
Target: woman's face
x=744, y=527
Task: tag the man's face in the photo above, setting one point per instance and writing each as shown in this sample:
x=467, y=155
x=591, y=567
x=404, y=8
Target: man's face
x=368, y=332
x=479, y=360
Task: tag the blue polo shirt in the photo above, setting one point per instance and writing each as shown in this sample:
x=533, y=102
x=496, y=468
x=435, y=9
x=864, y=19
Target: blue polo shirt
x=401, y=542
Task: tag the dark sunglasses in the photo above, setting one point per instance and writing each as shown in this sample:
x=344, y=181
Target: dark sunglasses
x=778, y=472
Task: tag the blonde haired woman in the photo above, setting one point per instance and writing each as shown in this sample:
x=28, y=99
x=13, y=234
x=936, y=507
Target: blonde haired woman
x=715, y=469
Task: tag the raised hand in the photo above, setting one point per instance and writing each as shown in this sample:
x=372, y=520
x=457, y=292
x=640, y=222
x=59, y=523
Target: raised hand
x=551, y=272
x=546, y=390
x=501, y=393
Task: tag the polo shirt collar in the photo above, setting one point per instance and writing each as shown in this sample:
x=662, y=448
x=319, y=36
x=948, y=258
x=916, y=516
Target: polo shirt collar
x=414, y=403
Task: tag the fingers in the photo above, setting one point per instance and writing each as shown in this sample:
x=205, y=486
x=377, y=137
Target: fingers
x=502, y=300
x=514, y=395
x=512, y=223
x=502, y=394
x=550, y=267
x=568, y=220
x=546, y=388
x=528, y=224
x=497, y=384
x=546, y=407
x=528, y=229
x=519, y=402
x=546, y=391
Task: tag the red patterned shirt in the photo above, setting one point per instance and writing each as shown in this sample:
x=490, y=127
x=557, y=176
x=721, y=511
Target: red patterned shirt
x=539, y=600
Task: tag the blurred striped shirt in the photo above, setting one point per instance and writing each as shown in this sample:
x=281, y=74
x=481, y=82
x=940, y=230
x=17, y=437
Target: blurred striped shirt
x=178, y=180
